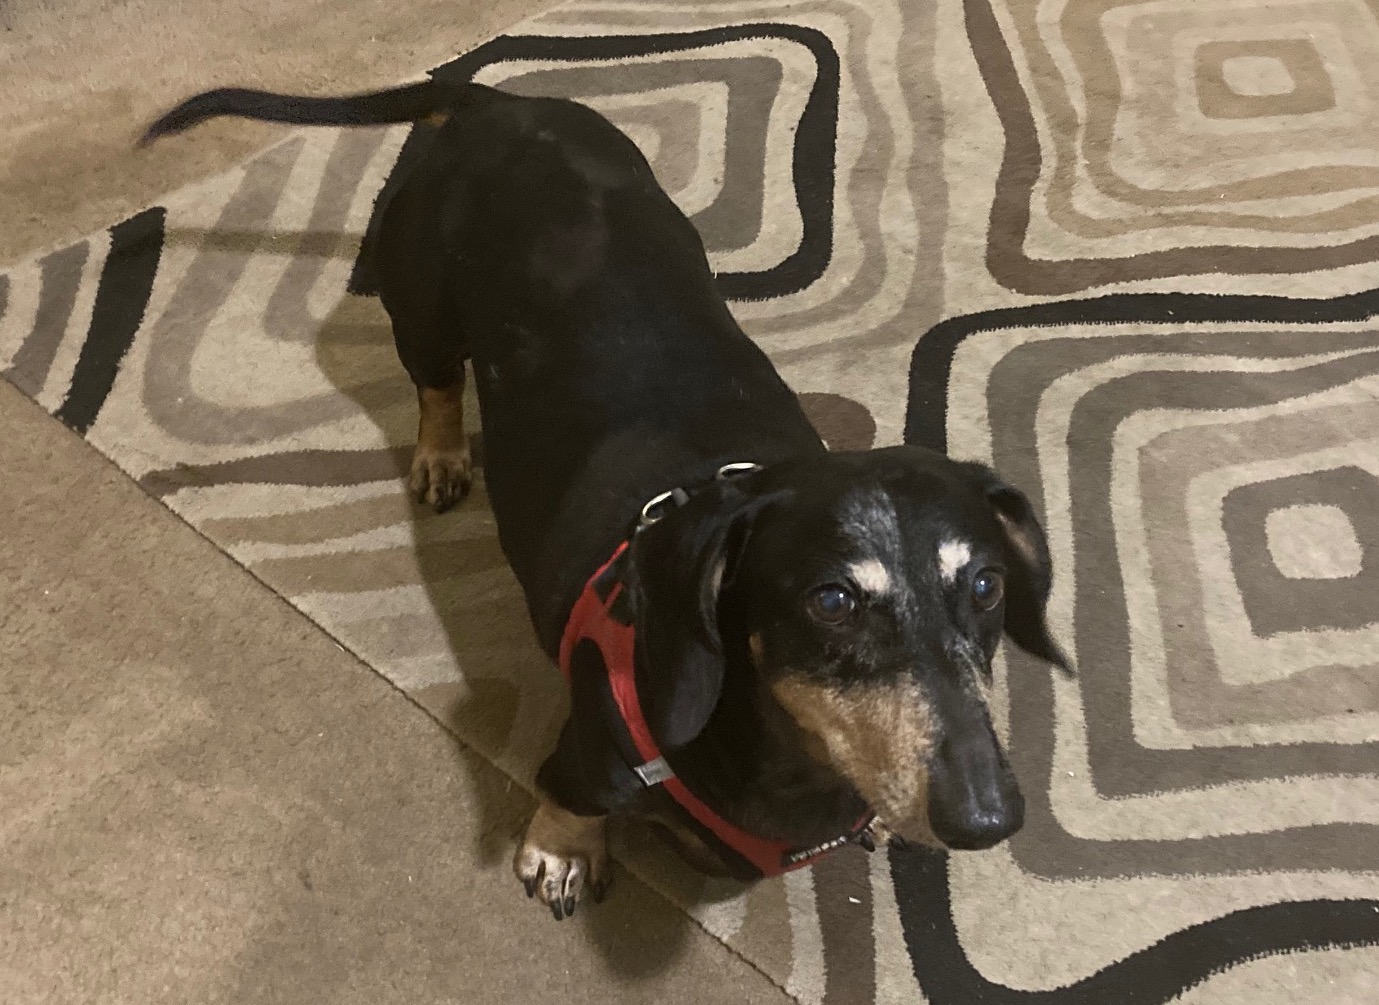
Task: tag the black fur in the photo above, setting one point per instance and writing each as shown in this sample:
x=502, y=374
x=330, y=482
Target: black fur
x=533, y=241
x=399, y=104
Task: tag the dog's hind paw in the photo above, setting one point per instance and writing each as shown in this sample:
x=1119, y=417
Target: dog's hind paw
x=562, y=859
x=440, y=479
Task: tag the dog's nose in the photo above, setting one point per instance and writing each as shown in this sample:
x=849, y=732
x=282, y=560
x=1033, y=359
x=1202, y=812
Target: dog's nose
x=974, y=799
x=978, y=824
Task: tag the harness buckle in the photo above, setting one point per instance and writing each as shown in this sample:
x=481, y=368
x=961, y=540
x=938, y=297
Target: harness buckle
x=654, y=772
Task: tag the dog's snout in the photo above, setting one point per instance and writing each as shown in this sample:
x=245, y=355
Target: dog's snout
x=974, y=800
x=975, y=827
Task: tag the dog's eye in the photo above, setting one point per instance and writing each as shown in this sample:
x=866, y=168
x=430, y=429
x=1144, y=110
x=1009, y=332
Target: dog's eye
x=987, y=590
x=831, y=605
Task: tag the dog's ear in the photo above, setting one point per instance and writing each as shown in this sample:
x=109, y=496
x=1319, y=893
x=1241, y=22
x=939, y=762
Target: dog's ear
x=681, y=563
x=1029, y=569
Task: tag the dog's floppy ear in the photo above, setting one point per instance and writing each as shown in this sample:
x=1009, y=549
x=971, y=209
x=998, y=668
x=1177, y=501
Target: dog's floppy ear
x=1029, y=569
x=681, y=564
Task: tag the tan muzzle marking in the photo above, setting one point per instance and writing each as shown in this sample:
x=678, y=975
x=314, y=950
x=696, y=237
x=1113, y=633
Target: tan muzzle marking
x=877, y=736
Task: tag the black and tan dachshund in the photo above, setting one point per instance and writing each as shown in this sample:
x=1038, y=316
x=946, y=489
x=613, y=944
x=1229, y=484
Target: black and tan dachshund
x=772, y=650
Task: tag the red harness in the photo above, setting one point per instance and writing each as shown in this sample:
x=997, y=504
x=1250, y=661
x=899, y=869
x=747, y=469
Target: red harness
x=592, y=618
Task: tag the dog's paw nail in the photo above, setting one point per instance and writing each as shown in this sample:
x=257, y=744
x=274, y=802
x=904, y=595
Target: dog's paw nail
x=866, y=841
x=561, y=877
x=441, y=480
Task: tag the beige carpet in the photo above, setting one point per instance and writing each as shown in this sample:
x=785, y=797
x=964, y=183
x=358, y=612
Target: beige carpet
x=206, y=800
x=202, y=797
x=1126, y=251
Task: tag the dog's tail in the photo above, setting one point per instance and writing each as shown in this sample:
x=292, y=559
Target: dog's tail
x=430, y=99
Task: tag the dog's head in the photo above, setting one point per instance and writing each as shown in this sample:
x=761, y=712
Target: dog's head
x=868, y=593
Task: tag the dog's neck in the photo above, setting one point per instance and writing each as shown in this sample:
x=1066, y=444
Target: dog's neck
x=752, y=763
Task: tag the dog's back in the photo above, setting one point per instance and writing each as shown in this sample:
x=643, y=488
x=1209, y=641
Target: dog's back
x=603, y=353
x=533, y=238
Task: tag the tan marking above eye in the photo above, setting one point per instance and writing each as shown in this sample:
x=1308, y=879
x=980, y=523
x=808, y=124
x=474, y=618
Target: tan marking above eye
x=953, y=555
x=871, y=576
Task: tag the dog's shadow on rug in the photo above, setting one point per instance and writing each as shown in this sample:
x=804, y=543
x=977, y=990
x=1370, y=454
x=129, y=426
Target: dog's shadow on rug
x=510, y=704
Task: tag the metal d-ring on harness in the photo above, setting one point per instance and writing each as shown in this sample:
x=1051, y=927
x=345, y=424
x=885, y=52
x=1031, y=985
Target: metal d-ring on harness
x=662, y=503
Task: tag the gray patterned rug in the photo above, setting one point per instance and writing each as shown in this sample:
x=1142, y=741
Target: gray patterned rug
x=1127, y=251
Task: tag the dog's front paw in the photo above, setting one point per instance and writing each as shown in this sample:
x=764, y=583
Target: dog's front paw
x=562, y=858
x=441, y=478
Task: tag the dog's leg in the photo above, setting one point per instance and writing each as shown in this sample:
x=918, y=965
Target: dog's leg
x=417, y=293
x=562, y=856
x=441, y=467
